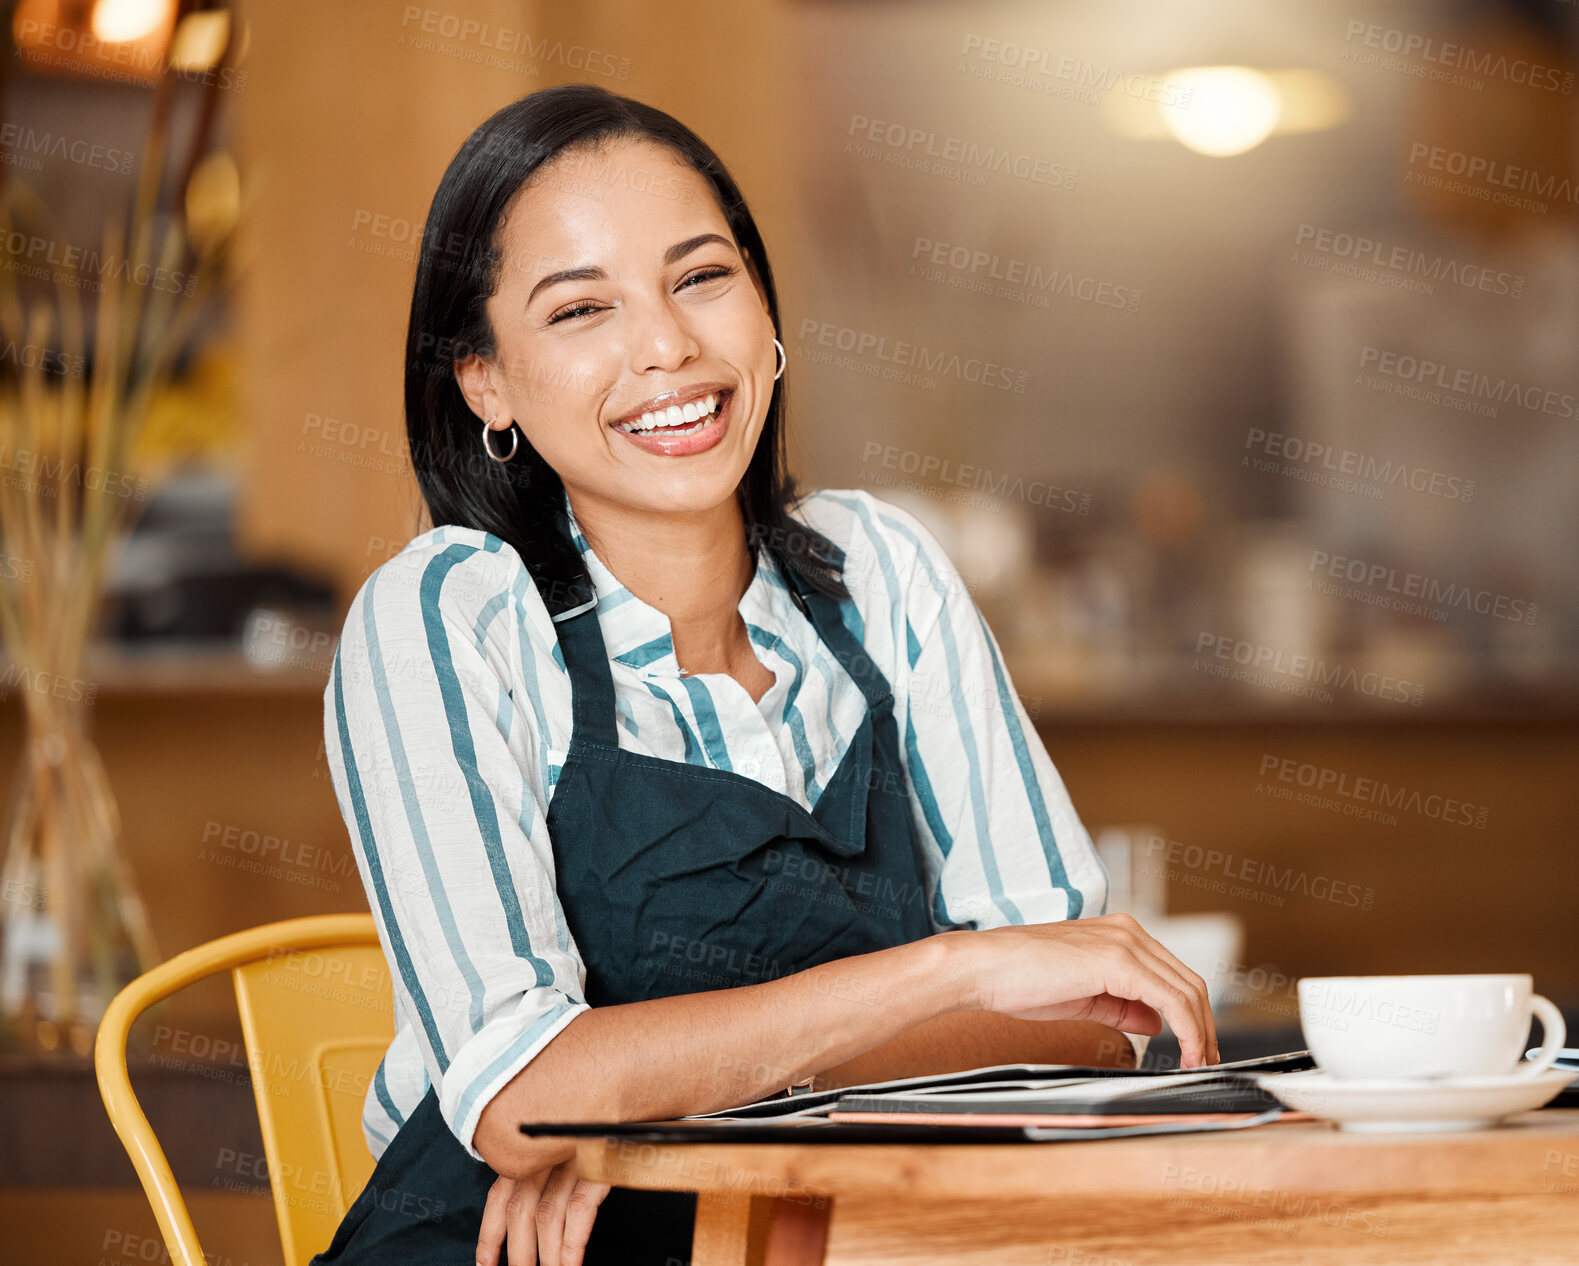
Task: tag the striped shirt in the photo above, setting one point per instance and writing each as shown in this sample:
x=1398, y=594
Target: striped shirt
x=447, y=718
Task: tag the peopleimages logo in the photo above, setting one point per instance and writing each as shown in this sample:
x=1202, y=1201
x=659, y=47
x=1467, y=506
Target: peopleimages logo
x=922, y=146
x=19, y=140
x=1421, y=372
x=1321, y=780
x=30, y=255
x=910, y=461
x=1043, y=64
x=1364, y=250
x=981, y=270
x=1427, y=588
x=1259, y=874
x=1516, y=70
x=1287, y=1211
x=436, y=24
x=902, y=356
x=1302, y=452
x=1331, y=1004
x=1264, y=665
x=1493, y=173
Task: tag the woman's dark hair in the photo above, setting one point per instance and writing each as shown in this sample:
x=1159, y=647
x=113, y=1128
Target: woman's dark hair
x=459, y=265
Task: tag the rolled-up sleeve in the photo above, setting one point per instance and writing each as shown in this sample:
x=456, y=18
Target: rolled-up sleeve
x=992, y=807
x=431, y=756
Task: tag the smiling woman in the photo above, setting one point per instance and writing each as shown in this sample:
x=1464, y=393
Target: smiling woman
x=590, y=221
x=625, y=743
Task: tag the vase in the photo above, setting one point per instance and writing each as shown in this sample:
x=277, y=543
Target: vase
x=73, y=929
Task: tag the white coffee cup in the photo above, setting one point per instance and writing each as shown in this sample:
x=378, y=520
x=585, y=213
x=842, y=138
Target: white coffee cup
x=1426, y=1026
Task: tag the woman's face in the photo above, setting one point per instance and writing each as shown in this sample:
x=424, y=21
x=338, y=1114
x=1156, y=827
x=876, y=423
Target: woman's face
x=621, y=282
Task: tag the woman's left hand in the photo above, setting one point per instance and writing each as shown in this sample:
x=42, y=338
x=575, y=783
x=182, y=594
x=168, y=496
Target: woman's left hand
x=543, y=1219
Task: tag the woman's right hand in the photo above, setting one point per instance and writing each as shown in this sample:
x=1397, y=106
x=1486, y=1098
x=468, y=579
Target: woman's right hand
x=543, y=1219
x=1106, y=968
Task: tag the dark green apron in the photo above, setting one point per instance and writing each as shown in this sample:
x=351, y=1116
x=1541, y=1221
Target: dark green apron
x=674, y=878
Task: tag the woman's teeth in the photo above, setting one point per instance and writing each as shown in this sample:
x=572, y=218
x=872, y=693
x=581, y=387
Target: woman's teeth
x=676, y=415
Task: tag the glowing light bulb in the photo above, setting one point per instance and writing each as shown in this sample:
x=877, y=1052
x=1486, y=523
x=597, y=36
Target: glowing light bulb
x=1221, y=110
x=199, y=41
x=118, y=21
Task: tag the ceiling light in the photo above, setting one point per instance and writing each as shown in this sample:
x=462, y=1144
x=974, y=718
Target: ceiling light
x=1220, y=110
x=1224, y=110
x=120, y=21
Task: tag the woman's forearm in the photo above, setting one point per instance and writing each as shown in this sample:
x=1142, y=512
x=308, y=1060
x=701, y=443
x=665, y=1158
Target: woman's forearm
x=980, y=1039
x=701, y=1052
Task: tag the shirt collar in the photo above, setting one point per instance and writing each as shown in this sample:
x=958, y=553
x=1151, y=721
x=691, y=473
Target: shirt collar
x=640, y=636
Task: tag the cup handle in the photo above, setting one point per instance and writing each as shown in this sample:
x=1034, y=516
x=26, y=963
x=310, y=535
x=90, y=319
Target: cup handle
x=1554, y=1032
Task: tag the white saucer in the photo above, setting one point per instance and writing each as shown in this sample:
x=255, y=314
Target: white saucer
x=1397, y=1105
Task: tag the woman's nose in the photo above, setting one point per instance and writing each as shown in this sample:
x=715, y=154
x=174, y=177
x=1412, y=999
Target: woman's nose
x=662, y=337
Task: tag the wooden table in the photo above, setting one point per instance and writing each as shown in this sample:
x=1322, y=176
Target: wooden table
x=1291, y=1192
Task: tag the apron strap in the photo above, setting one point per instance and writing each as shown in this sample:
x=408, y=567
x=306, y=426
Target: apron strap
x=592, y=684
x=823, y=612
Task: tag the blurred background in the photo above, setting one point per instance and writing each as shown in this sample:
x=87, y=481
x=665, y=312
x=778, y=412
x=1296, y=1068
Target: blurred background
x=1231, y=350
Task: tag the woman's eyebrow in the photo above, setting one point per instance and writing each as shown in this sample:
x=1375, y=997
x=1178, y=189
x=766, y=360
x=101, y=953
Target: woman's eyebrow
x=591, y=272
x=680, y=250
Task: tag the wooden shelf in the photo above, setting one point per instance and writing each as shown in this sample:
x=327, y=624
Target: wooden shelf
x=194, y=668
x=222, y=669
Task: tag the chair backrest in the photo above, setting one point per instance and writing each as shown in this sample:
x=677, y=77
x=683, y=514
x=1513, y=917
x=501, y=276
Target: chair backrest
x=316, y=1013
x=316, y=1023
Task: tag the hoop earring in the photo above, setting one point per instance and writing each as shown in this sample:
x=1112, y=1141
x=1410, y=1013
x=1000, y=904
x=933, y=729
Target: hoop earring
x=515, y=439
x=783, y=360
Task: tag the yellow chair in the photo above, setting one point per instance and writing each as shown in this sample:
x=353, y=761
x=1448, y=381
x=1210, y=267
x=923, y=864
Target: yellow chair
x=316, y=1014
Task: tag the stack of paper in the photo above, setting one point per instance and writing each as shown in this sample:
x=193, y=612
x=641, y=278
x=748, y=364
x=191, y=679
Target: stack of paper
x=1076, y=1103
x=999, y=1078
x=1047, y=1097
